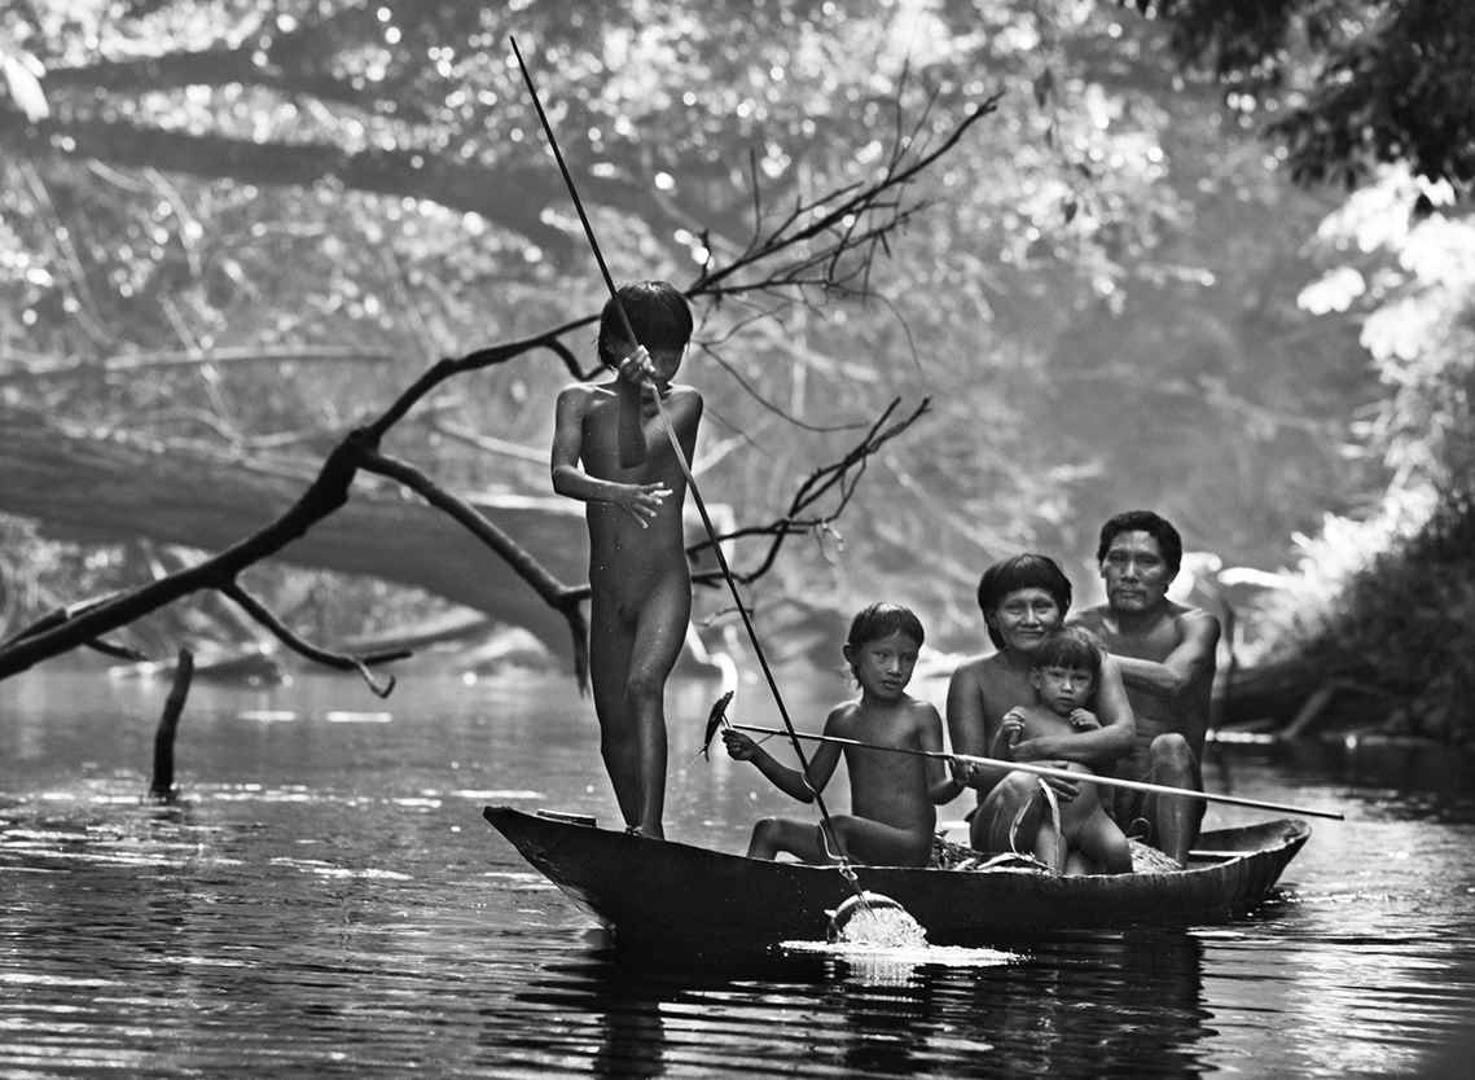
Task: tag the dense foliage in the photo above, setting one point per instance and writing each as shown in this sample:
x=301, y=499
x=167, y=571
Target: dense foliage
x=1346, y=84
x=1384, y=598
x=1101, y=296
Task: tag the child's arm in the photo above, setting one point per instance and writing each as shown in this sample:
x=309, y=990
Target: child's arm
x=790, y=781
x=640, y=501
x=944, y=783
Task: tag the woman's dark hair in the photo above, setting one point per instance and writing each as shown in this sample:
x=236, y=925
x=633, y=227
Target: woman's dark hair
x=1068, y=648
x=1027, y=571
x=658, y=313
x=1154, y=525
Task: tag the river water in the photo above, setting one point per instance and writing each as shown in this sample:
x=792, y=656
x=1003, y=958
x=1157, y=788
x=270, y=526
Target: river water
x=325, y=900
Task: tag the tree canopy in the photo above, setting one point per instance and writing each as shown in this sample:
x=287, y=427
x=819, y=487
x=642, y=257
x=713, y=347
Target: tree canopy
x=240, y=228
x=1345, y=85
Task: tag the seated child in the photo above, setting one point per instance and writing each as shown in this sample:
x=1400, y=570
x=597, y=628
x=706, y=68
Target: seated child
x=891, y=794
x=1064, y=673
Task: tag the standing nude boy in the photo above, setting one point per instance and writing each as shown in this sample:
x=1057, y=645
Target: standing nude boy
x=638, y=575
x=1166, y=653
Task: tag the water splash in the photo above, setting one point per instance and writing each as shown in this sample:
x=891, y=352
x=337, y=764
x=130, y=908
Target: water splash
x=874, y=920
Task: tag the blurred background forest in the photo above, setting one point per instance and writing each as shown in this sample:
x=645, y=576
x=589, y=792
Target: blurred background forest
x=1214, y=263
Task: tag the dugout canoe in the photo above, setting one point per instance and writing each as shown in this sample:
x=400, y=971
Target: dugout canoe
x=664, y=893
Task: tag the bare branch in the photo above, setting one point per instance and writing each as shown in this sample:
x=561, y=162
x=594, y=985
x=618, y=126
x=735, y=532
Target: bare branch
x=554, y=592
x=845, y=473
x=342, y=661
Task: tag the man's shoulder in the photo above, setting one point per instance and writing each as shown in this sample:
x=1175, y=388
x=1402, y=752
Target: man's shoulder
x=1093, y=618
x=1189, y=613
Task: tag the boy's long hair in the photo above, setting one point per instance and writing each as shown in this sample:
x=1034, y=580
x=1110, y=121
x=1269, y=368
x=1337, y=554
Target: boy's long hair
x=1027, y=571
x=1154, y=525
x=1068, y=648
x=658, y=313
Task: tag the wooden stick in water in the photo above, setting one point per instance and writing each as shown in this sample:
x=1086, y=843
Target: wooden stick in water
x=1064, y=774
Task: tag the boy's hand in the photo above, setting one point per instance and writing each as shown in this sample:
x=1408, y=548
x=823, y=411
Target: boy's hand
x=638, y=367
x=643, y=501
x=964, y=772
x=739, y=746
x=1084, y=720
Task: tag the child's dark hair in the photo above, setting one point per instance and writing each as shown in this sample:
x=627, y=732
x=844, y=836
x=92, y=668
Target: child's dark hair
x=1068, y=648
x=1154, y=525
x=1027, y=571
x=658, y=313
x=881, y=620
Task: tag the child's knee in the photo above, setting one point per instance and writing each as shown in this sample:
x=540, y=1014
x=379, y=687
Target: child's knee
x=1171, y=751
x=764, y=841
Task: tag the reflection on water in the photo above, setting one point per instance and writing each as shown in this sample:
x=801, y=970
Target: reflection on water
x=326, y=900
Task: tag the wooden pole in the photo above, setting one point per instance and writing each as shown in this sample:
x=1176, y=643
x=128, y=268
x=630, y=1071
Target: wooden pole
x=1064, y=774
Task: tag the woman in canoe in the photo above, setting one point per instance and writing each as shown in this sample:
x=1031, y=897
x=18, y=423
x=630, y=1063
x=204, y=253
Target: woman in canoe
x=1023, y=600
x=892, y=795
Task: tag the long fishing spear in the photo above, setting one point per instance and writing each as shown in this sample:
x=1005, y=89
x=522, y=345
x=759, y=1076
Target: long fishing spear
x=1045, y=770
x=685, y=467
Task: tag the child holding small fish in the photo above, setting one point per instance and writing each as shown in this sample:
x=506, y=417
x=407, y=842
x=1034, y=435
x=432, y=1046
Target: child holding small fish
x=892, y=795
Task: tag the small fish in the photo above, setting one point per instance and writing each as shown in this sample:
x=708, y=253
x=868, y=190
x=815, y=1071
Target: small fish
x=715, y=719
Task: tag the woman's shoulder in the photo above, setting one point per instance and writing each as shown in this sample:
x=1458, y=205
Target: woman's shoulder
x=977, y=668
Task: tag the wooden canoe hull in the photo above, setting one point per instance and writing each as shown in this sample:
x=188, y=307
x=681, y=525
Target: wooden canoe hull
x=662, y=893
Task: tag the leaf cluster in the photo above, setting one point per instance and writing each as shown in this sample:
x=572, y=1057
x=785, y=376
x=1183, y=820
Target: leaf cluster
x=1345, y=85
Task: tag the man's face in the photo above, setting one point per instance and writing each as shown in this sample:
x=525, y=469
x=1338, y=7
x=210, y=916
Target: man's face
x=1024, y=617
x=1135, y=573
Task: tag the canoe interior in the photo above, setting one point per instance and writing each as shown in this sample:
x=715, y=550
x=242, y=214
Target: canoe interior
x=666, y=893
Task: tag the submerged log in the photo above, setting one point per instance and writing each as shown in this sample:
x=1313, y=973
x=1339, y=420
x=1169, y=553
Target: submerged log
x=162, y=785
x=1293, y=694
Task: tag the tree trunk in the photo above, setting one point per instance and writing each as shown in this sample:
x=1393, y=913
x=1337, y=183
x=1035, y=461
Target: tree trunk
x=107, y=490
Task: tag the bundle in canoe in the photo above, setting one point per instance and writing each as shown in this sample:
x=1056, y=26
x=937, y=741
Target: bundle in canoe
x=662, y=894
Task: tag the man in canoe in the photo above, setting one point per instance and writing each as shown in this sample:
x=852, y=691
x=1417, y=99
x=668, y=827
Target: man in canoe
x=892, y=795
x=1023, y=600
x=633, y=486
x=1166, y=653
